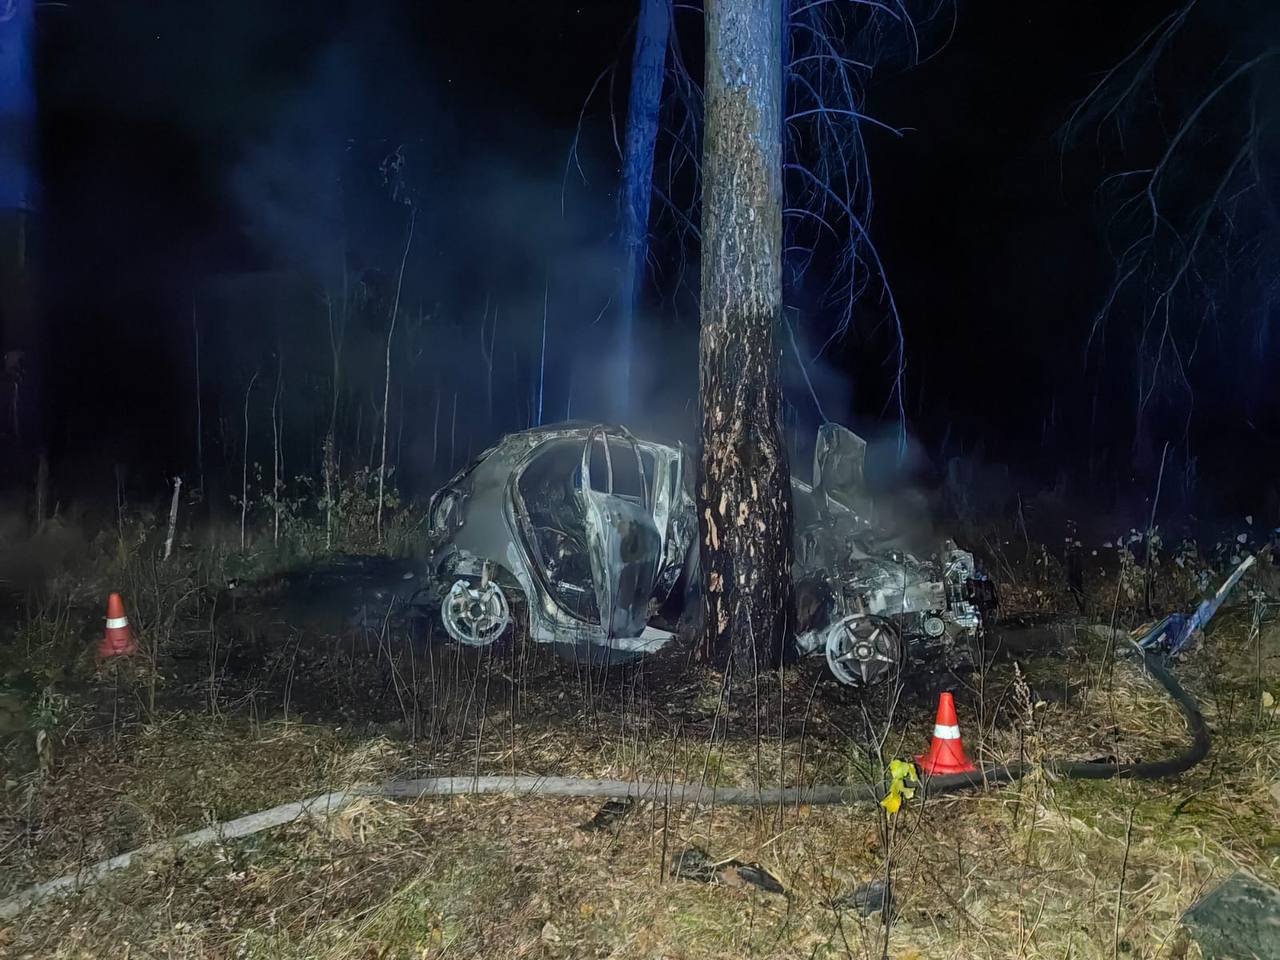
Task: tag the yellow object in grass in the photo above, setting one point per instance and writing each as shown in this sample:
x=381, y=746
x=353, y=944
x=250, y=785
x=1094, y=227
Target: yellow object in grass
x=900, y=774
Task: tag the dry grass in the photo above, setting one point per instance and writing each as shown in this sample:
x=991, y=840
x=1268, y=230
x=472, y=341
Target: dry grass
x=121, y=792
x=1038, y=869
x=997, y=876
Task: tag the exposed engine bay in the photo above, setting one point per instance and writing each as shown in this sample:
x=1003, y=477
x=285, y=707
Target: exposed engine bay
x=885, y=612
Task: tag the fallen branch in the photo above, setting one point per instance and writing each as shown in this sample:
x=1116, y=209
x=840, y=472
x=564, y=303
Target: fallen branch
x=173, y=518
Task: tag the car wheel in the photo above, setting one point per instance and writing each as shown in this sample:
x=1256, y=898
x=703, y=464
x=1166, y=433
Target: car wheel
x=864, y=650
x=476, y=613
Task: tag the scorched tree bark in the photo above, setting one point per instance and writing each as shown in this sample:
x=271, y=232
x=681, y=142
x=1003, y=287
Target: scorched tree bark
x=744, y=486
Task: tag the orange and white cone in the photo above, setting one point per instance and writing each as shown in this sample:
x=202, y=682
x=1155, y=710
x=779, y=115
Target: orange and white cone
x=946, y=751
x=118, y=640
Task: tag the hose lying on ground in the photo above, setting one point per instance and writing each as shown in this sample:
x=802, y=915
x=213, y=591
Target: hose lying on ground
x=1094, y=770
x=681, y=794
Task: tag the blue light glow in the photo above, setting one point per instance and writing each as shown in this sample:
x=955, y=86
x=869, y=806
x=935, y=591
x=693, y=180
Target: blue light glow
x=17, y=105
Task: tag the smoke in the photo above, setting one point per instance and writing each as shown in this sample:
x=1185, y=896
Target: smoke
x=903, y=484
x=507, y=284
x=289, y=186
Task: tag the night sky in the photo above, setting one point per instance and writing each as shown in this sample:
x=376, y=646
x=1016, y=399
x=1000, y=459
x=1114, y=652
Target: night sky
x=151, y=114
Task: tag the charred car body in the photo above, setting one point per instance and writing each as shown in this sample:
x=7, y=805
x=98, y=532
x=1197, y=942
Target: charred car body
x=593, y=531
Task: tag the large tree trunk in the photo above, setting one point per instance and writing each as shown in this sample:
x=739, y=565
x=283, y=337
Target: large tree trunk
x=648, y=66
x=17, y=103
x=744, y=484
x=20, y=334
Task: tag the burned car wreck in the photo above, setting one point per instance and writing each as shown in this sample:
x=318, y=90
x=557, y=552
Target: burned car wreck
x=592, y=531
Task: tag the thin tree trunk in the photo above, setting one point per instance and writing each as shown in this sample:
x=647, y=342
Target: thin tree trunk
x=331, y=440
x=195, y=339
x=359, y=431
x=486, y=355
x=516, y=390
x=330, y=476
x=453, y=432
x=542, y=355
x=435, y=431
x=400, y=430
x=386, y=385
x=493, y=342
x=744, y=486
x=276, y=458
x=648, y=66
x=42, y=489
x=244, y=463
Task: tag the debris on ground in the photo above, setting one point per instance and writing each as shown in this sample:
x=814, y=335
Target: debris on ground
x=693, y=863
x=867, y=899
x=1176, y=632
x=610, y=815
x=1238, y=918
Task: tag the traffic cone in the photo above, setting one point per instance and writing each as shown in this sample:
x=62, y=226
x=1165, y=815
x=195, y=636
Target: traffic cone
x=946, y=751
x=119, y=637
